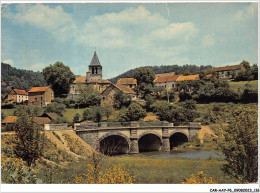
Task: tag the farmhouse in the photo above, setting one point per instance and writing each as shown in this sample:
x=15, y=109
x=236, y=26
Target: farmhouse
x=107, y=96
x=167, y=82
x=164, y=74
x=129, y=82
x=9, y=120
x=226, y=71
x=40, y=96
x=17, y=96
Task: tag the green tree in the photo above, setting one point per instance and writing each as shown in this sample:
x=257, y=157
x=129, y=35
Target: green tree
x=135, y=112
x=121, y=99
x=56, y=108
x=163, y=110
x=107, y=110
x=33, y=111
x=240, y=145
x=94, y=114
x=29, y=143
x=59, y=77
x=88, y=97
x=3, y=116
x=76, y=118
x=189, y=104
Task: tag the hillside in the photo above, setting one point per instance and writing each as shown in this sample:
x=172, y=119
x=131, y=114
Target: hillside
x=12, y=77
x=185, y=69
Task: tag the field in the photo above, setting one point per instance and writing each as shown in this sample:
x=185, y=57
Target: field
x=241, y=84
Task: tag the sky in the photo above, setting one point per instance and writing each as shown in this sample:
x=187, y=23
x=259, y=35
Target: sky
x=128, y=35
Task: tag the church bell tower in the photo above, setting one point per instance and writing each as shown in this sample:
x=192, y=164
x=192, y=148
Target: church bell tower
x=94, y=73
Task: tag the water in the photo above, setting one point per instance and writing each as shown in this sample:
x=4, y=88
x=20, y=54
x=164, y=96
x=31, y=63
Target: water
x=174, y=154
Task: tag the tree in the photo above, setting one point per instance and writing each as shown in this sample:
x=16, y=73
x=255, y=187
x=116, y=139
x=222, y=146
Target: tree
x=107, y=110
x=135, y=112
x=3, y=116
x=94, y=114
x=56, y=108
x=145, y=78
x=29, y=144
x=76, y=118
x=59, y=77
x=88, y=97
x=32, y=111
x=162, y=109
x=240, y=145
x=121, y=99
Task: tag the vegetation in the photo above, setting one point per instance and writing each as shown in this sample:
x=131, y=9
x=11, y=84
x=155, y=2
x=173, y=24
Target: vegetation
x=88, y=97
x=135, y=112
x=95, y=114
x=55, y=108
x=76, y=118
x=240, y=145
x=30, y=142
x=121, y=100
x=200, y=179
x=12, y=77
x=32, y=111
x=59, y=77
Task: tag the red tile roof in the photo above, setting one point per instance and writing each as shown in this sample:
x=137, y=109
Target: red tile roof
x=10, y=119
x=125, y=89
x=188, y=77
x=126, y=81
x=39, y=89
x=20, y=92
x=41, y=120
x=103, y=81
x=80, y=79
x=226, y=68
x=166, y=78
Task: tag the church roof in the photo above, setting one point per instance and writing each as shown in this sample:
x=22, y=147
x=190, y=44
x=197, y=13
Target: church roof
x=95, y=60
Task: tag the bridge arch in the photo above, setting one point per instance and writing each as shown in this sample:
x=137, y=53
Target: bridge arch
x=149, y=141
x=113, y=143
x=178, y=138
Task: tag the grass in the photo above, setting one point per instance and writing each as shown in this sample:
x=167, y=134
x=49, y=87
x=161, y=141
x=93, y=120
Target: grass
x=70, y=113
x=241, y=85
x=8, y=112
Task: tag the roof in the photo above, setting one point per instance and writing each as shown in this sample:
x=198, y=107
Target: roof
x=41, y=120
x=166, y=78
x=226, y=68
x=188, y=77
x=52, y=116
x=10, y=119
x=103, y=81
x=123, y=88
x=126, y=81
x=95, y=60
x=80, y=79
x=39, y=89
x=20, y=91
x=165, y=74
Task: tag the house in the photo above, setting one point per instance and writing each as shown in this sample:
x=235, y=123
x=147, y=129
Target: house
x=40, y=96
x=129, y=82
x=9, y=120
x=17, y=96
x=164, y=74
x=167, y=82
x=41, y=120
x=226, y=71
x=107, y=96
x=51, y=116
x=188, y=77
x=93, y=77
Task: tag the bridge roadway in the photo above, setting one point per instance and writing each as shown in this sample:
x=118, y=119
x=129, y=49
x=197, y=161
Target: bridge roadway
x=134, y=138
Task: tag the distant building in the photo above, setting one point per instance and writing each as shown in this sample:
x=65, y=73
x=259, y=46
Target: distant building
x=40, y=96
x=51, y=116
x=93, y=78
x=41, y=120
x=167, y=82
x=226, y=71
x=130, y=82
x=188, y=77
x=107, y=96
x=17, y=96
x=164, y=74
x=8, y=121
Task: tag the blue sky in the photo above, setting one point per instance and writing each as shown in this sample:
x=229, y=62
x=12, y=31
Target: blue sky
x=128, y=35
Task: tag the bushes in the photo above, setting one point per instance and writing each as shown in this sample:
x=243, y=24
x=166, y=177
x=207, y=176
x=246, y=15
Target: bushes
x=133, y=113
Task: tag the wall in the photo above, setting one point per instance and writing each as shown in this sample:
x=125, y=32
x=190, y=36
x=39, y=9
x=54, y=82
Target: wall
x=56, y=127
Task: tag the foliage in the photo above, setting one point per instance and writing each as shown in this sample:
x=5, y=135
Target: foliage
x=107, y=110
x=189, y=104
x=12, y=77
x=251, y=73
x=240, y=145
x=135, y=112
x=94, y=113
x=162, y=109
x=67, y=102
x=33, y=111
x=14, y=172
x=200, y=179
x=59, y=77
x=3, y=116
x=250, y=95
x=29, y=139
x=8, y=106
x=88, y=97
x=55, y=108
x=59, y=120
x=76, y=118
x=121, y=100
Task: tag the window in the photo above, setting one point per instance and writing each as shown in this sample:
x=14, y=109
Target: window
x=41, y=98
x=103, y=98
x=172, y=85
x=41, y=103
x=35, y=99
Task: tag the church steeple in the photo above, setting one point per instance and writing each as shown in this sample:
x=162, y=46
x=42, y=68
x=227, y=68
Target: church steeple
x=95, y=60
x=95, y=69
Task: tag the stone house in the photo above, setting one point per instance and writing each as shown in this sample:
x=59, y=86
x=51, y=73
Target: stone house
x=17, y=96
x=40, y=96
x=167, y=82
x=226, y=71
x=107, y=96
x=129, y=82
x=74, y=87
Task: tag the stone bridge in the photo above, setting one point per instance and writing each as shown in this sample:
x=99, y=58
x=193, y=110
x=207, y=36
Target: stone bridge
x=135, y=138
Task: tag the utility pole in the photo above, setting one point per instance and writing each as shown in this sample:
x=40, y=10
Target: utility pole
x=167, y=92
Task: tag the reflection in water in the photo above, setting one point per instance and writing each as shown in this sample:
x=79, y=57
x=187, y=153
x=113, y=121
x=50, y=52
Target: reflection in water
x=174, y=154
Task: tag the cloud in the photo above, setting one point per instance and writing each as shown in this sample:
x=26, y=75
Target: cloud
x=53, y=20
x=139, y=29
x=246, y=13
x=208, y=40
x=8, y=61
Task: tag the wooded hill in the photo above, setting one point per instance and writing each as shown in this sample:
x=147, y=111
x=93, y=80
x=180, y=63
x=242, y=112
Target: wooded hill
x=185, y=70
x=12, y=77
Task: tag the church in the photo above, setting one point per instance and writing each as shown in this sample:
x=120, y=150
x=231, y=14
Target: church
x=93, y=77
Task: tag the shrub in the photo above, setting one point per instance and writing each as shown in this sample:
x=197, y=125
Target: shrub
x=200, y=179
